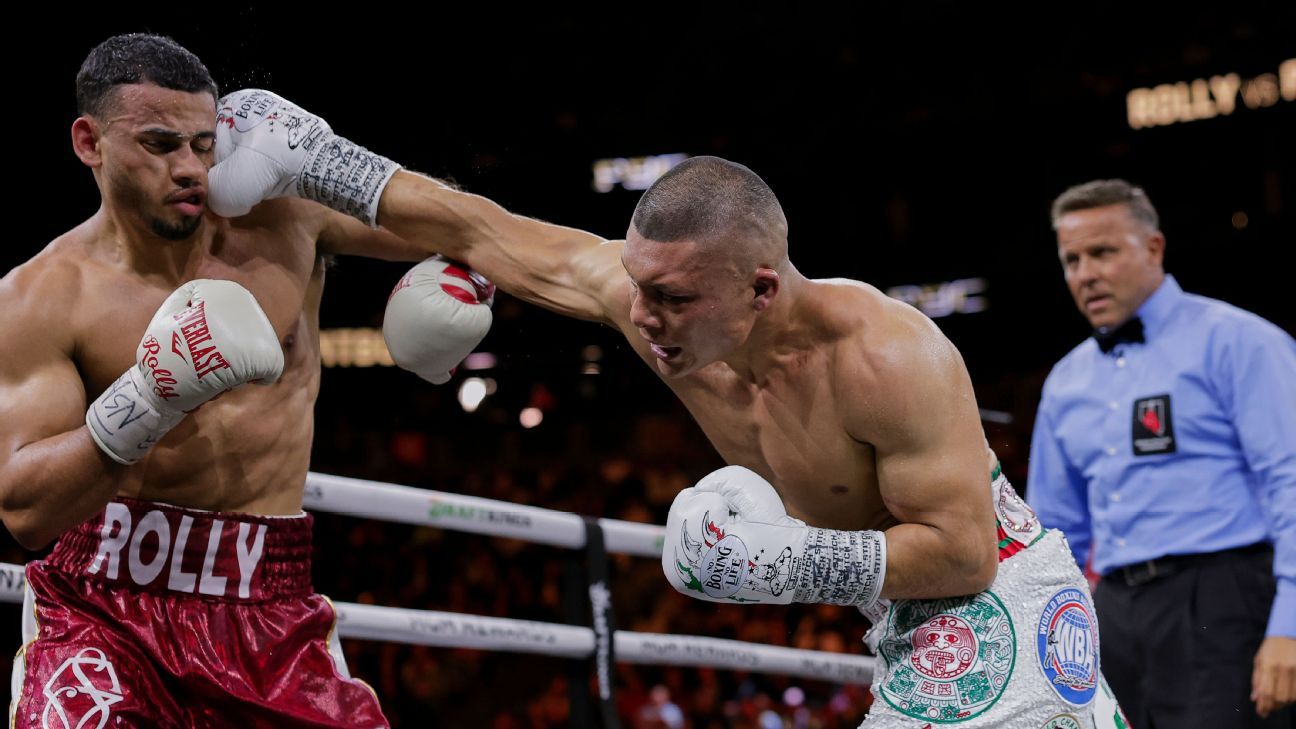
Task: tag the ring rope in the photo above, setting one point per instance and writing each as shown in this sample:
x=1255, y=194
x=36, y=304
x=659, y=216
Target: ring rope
x=408, y=505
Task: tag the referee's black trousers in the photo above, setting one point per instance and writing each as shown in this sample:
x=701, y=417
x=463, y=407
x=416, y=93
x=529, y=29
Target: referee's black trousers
x=1179, y=637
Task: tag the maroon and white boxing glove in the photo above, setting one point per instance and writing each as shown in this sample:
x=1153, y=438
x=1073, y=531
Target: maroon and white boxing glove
x=207, y=338
x=437, y=314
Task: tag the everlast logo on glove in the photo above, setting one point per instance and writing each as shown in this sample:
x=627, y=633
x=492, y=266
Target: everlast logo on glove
x=1153, y=429
x=193, y=327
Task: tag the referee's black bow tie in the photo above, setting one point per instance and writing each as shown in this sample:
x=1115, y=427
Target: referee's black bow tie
x=1130, y=331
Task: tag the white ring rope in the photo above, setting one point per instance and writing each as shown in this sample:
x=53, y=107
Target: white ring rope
x=408, y=505
x=403, y=504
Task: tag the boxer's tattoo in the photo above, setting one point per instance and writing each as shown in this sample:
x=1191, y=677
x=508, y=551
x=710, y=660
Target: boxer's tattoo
x=840, y=567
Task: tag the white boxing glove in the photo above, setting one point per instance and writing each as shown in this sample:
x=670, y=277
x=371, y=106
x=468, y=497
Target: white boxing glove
x=729, y=539
x=267, y=147
x=207, y=338
x=437, y=314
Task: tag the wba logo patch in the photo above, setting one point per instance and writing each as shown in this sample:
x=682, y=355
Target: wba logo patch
x=1153, y=429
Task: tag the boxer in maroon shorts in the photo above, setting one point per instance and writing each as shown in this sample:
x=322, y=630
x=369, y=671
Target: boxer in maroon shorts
x=248, y=642
x=118, y=338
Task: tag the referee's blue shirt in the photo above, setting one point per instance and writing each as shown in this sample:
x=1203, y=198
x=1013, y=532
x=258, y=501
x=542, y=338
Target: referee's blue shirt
x=1183, y=444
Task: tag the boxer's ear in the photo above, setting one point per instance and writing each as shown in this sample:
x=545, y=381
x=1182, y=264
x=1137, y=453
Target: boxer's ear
x=85, y=141
x=764, y=288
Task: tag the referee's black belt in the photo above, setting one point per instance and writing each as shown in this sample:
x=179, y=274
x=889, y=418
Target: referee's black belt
x=1141, y=573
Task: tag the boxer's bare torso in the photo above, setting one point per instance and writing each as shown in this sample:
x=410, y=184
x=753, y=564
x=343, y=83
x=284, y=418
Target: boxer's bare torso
x=79, y=308
x=854, y=406
x=75, y=314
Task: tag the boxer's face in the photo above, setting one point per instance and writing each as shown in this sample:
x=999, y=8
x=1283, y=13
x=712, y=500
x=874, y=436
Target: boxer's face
x=1111, y=261
x=689, y=306
x=157, y=145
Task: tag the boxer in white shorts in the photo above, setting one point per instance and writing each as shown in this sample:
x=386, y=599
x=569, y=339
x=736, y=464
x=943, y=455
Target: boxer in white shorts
x=854, y=409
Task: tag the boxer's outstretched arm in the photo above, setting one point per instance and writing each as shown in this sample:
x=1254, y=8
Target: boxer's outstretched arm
x=568, y=271
x=913, y=401
x=52, y=475
x=268, y=147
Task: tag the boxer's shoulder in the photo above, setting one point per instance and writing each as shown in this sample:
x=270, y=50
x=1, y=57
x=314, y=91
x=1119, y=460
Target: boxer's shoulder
x=874, y=337
x=286, y=220
x=857, y=311
x=60, y=263
x=890, y=363
x=43, y=290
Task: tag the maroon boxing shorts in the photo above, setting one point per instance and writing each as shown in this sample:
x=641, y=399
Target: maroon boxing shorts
x=152, y=615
